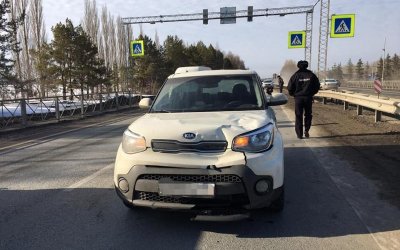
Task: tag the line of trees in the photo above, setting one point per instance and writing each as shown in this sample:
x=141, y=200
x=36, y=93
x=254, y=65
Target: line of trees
x=92, y=56
x=367, y=71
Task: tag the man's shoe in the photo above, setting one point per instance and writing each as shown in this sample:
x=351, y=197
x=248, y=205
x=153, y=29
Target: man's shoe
x=299, y=137
x=307, y=135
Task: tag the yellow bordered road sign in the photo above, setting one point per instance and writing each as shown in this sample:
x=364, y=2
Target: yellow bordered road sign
x=297, y=39
x=137, y=48
x=342, y=25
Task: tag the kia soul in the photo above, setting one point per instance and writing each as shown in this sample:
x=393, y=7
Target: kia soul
x=209, y=140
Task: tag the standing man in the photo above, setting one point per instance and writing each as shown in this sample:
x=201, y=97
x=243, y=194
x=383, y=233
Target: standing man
x=303, y=85
x=281, y=82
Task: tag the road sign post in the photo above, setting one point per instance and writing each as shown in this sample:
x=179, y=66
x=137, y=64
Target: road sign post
x=342, y=26
x=378, y=86
x=137, y=48
x=297, y=39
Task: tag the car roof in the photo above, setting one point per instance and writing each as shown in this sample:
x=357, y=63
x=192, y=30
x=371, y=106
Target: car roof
x=213, y=73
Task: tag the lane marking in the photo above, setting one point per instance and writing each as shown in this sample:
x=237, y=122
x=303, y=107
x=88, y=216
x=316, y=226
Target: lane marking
x=88, y=178
x=33, y=141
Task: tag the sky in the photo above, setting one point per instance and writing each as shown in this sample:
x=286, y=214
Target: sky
x=263, y=43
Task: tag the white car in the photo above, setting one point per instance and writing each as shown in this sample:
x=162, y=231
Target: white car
x=327, y=84
x=209, y=141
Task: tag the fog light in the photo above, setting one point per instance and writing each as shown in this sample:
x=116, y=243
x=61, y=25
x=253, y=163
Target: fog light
x=123, y=185
x=262, y=186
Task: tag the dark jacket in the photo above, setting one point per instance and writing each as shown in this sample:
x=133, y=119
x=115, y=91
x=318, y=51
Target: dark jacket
x=280, y=80
x=303, y=83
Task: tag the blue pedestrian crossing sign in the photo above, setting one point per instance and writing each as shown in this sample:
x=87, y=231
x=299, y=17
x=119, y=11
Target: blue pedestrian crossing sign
x=297, y=39
x=137, y=48
x=342, y=25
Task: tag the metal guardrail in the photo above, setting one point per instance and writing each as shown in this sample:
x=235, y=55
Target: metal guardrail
x=23, y=112
x=387, y=85
x=379, y=105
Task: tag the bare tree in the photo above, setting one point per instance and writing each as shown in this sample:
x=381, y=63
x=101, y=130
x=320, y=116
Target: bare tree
x=38, y=33
x=22, y=8
x=91, y=21
x=157, y=40
x=111, y=45
x=104, y=37
x=16, y=55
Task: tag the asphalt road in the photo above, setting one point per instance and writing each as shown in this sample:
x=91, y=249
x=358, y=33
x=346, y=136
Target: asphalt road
x=58, y=194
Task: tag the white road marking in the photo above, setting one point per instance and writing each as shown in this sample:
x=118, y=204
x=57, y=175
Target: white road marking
x=89, y=178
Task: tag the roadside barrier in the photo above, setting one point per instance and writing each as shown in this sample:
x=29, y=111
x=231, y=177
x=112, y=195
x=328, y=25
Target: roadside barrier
x=25, y=112
x=387, y=85
x=379, y=105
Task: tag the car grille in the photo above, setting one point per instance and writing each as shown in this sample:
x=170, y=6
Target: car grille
x=171, y=146
x=149, y=196
x=227, y=200
x=230, y=178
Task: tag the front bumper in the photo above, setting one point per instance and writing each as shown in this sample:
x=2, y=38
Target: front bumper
x=234, y=188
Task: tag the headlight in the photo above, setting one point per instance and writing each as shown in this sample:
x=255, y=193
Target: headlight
x=256, y=141
x=133, y=143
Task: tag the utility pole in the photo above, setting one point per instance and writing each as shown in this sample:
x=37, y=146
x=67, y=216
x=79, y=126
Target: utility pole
x=384, y=57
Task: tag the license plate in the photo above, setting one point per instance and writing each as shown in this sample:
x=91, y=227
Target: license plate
x=187, y=189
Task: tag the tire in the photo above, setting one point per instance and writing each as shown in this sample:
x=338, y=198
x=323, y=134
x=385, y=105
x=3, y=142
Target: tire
x=279, y=203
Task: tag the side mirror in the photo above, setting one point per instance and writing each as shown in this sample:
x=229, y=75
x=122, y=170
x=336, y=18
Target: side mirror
x=145, y=103
x=276, y=99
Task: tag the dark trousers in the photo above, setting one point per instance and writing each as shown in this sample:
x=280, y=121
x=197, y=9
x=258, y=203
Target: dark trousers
x=280, y=88
x=303, y=104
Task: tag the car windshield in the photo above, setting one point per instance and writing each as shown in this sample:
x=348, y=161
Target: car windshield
x=209, y=93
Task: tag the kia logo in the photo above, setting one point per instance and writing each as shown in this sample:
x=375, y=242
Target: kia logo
x=189, y=136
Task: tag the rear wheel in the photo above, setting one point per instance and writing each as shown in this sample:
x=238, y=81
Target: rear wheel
x=278, y=204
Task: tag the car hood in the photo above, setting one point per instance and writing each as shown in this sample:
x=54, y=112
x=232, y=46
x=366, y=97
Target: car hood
x=208, y=126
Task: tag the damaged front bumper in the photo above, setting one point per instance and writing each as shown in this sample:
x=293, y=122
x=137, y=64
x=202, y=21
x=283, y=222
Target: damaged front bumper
x=234, y=188
x=234, y=175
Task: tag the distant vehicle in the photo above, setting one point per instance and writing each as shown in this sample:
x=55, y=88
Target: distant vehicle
x=268, y=85
x=330, y=84
x=208, y=142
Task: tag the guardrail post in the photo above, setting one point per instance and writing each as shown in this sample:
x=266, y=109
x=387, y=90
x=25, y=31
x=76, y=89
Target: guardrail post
x=345, y=105
x=378, y=116
x=23, y=112
x=130, y=98
x=57, y=106
x=359, y=110
x=116, y=101
x=82, y=107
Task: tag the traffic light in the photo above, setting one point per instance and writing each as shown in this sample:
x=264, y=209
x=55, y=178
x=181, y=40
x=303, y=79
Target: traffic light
x=250, y=14
x=205, y=16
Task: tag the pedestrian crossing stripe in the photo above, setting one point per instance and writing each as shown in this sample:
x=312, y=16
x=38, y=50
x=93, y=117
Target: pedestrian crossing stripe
x=137, y=48
x=297, y=39
x=342, y=25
